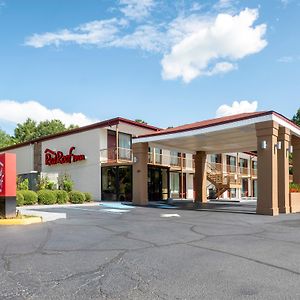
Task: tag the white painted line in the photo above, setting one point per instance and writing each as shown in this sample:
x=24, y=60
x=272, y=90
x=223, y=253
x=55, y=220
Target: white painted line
x=170, y=215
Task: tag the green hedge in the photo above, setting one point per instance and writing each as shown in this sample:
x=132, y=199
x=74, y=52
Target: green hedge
x=88, y=197
x=62, y=197
x=30, y=197
x=20, y=199
x=46, y=197
x=76, y=197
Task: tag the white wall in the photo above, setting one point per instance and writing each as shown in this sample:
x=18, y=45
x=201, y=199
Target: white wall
x=189, y=186
x=24, y=159
x=85, y=174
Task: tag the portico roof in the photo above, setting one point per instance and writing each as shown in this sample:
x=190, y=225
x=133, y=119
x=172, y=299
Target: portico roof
x=235, y=133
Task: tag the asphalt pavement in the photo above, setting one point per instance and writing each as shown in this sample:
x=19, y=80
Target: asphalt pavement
x=122, y=252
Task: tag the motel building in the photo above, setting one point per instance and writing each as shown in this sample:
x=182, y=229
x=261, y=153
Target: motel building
x=244, y=156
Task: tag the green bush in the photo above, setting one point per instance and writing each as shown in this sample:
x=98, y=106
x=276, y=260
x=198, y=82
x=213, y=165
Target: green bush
x=20, y=199
x=88, y=197
x=76, y=197
x=46, y=197
x=62, y=197
x=65, y=182
x=22, y=185
x=30, y=197
x=45, y=184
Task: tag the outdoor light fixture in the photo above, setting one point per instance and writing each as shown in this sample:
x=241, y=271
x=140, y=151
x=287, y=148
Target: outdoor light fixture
x=291, y=149
x=263, y=144
x=278, y=146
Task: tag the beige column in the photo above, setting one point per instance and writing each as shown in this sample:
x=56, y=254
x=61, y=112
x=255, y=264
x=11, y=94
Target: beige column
x=296, y=159
x=283, y=171
x=140, y=174
x=267, y=198
x=200, y=177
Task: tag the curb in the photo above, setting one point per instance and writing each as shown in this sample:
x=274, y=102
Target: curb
x=25, y=221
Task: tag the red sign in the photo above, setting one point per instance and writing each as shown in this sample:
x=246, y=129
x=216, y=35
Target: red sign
x=8, y=175
x=57, y=157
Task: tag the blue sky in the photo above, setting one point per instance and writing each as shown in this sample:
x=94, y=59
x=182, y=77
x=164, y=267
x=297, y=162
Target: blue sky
x=166, y=62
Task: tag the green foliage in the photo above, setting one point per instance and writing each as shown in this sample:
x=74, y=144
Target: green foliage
x=62, y=197
x=5, y=139
x=30, y=130
x=45, y=184
x=46, y=197
x=65, y=182
x=22, y=185
x=294, y=187
x=140, y=121
x=20, y=198
x=25, y=131
x=76, y=197
x=30, y=197
x=88, y=197
x=296, y=118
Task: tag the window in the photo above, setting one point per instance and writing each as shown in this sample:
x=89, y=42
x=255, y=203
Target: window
x=175, y=158
x=174, y=185
x=124, y=146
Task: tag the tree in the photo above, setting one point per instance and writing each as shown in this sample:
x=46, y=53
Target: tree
x=5, y=139
x=296, y=118
x=30, y=130
x=26, y=131
x=140, y=121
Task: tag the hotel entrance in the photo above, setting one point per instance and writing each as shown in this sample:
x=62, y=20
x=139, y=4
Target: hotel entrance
x=158, y=183
x=116, y=183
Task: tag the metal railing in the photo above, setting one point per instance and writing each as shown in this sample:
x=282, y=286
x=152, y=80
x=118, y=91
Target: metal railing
x=116, y=155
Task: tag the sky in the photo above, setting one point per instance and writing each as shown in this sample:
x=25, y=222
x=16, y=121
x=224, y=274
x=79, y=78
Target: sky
x=165, y=62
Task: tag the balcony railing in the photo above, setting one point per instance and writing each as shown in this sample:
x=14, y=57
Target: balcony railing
x=116, y=155
x=175, y=162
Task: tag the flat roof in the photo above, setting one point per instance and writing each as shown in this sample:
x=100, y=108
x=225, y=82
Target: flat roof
x=105, y=123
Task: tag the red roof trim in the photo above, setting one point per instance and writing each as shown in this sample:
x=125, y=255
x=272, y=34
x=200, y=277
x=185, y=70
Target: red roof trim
x=110, y=122
x=216, y=122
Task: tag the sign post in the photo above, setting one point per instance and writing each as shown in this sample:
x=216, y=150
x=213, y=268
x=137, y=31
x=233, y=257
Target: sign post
x=8, y=185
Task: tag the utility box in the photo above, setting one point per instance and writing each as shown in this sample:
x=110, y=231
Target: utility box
x=8, y=185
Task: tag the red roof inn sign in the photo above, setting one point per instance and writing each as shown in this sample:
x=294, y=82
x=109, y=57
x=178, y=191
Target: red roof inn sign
x=8, y=185
x=57, y=157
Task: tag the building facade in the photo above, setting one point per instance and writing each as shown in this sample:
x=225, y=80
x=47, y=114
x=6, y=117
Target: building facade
x=99, y=159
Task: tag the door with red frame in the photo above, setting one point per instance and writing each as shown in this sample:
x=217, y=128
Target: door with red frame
x=111, y=145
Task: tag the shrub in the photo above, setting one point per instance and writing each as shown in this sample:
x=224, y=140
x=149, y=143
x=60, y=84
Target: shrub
x=20, y=199
x=88, y=197
x=45, y=183
x=294, y=188
x=61, y=196
x=76, y=197
x=46, y=197
x=65, y=183
x=30, y=197
x=22, y=185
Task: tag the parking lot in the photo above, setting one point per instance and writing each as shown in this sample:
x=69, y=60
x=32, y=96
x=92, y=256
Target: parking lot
x=113, y=251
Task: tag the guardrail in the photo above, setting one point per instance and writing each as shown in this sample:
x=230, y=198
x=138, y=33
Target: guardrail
x=116, y=155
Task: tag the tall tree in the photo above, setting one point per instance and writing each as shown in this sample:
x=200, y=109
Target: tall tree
x=25, y=131
x=49, y=127
x=296, y=118
x=5, y=139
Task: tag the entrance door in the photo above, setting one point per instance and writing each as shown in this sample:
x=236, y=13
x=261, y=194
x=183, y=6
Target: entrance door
x=158, y=184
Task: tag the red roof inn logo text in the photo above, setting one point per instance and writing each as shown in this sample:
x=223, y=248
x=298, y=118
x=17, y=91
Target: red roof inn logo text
x=57, y=157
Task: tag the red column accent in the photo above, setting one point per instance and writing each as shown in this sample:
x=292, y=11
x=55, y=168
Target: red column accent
x=8, y=175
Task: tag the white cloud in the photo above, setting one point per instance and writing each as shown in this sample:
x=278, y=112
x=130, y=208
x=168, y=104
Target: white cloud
x=136, y=9
x=18, y=112
x=236, y=108
x=226, y=37
x=94, y=33
x=288, y=59
x=192, y=45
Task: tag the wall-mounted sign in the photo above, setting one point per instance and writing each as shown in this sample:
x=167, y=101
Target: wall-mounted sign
x=57, y=157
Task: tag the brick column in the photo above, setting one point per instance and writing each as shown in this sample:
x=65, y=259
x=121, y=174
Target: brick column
x=283, y=170
x=140, y=174
x=267, y=174
x=200, y=177
x=296, y=159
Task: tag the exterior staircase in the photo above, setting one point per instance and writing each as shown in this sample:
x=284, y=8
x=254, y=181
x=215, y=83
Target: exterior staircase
x=220, y=180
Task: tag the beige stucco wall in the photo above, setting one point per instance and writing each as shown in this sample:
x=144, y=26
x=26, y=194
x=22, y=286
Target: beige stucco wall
x=24, y=159
x=85, y=174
